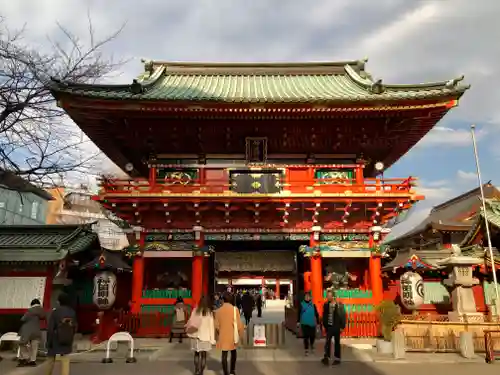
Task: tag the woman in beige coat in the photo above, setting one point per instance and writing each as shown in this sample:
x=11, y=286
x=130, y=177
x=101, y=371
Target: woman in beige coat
x=227, y=318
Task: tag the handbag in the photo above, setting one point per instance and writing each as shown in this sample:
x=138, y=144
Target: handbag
x=236, y=334
x=193, y=324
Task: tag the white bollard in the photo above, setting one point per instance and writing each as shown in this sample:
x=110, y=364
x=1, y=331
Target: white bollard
x=14, y=337
x=117, y=337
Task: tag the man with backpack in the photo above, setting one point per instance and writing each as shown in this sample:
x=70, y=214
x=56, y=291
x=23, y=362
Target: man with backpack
x=61, y=331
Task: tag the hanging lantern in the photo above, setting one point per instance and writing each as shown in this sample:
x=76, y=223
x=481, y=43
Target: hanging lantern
x=412, y=290
x=104, y=294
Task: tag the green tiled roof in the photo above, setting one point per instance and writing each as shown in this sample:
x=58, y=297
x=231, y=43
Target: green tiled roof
x=492, y=215
x=261, y=83
x=492, y=212
x=435, y=293
x=43, y=243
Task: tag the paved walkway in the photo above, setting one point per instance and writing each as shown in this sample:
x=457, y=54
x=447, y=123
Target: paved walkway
x=267, y=368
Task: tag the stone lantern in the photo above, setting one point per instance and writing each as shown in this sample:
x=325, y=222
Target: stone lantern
x=460, y=281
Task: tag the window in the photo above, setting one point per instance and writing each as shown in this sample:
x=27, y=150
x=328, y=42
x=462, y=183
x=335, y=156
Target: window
x=34, y=210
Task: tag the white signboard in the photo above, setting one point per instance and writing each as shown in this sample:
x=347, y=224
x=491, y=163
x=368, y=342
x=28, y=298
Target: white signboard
x=18, y=292
x=259, y=335
x=412, y=290
x=104, y=295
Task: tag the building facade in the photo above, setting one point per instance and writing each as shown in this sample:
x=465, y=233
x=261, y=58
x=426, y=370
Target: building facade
x=21, y=203
x=272, y=158
x=76, y=206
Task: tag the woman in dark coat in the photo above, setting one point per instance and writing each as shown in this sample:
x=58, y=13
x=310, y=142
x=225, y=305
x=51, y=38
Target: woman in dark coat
x=30, y=333
x=60, y=334
x=247, y=305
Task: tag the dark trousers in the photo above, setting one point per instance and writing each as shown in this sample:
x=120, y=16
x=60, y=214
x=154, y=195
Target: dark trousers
x=248, y=317
x=308, y=335
x=259, y=311
x=334, y=334
x=232, y=366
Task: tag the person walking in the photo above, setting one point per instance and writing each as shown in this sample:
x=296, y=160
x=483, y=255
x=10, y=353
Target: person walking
x=334, y=321
x=307, y=320
x=258, y=303
x=179, y=320
x=201, y=329
x=217, y=301
x=228, y=324
x=61, y=331
x=247, y=305
x=30, y=333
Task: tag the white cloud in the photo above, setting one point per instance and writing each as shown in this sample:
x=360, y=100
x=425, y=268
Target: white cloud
x=446, y=136
x=435, y=194
x=469, y=176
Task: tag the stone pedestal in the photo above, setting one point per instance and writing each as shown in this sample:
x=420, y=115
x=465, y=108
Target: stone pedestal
x=398, y=344
x=461, y=282
x=466, y=345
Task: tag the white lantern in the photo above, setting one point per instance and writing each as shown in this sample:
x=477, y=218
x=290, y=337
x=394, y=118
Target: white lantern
x=104, y=295
x=412, y=290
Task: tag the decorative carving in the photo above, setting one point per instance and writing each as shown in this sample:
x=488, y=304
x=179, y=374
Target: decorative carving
x=333, y=176
x=343, y=237
x=337, y=276
x=263, y=261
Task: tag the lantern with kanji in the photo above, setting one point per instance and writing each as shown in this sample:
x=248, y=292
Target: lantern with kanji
x=412, y=290
x=104, y=295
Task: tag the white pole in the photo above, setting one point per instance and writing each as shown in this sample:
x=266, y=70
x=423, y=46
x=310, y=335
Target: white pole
x=487, y=225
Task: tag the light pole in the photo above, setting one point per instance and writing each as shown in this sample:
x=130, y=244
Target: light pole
x=487, y=225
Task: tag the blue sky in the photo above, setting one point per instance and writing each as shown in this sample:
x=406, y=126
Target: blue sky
x=406, y=42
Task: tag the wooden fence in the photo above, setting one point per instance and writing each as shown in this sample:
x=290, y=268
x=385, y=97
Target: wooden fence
x=436, y=333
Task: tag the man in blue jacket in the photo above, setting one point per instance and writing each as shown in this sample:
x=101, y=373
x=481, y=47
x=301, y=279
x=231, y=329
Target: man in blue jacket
x=308, y=319
x=334, y=322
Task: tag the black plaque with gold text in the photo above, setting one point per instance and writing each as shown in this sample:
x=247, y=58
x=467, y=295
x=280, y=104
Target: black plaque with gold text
x=256, y=150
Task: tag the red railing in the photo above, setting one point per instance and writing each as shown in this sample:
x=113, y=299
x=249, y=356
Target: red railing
x=325, y=186
x=146, y=325
x=359, y=324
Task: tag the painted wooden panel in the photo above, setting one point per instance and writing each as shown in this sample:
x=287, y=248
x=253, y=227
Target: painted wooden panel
x=18, y=292
x=297, y=179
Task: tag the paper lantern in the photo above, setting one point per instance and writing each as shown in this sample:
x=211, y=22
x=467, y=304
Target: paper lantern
x=104, y=294
x=412, y=290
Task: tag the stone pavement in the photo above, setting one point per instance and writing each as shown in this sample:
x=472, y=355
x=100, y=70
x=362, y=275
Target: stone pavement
x=265, y=368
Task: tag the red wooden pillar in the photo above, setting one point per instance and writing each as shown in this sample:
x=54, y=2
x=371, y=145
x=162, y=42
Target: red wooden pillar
x=375, y=268
x=376, y=279
x=138, y=278
x=197, y=279
x=307, y=282
x=359, y=175
x=197, y=269
x=316, y=277
x=277, y=293
x=206, y=279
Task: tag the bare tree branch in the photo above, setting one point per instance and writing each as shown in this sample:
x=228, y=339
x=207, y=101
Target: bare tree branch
x=37, y=140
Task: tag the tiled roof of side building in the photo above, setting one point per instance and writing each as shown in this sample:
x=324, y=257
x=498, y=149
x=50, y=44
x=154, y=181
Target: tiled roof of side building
x=44, y=243
x=262, y=83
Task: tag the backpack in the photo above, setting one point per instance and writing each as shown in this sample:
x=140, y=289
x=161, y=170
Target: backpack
x=65, y=331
